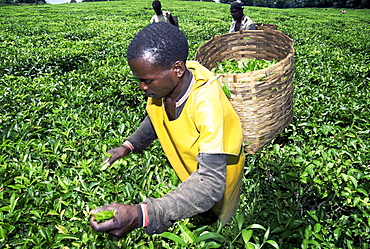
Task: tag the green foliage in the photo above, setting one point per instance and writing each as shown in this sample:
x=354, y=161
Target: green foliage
x=67, y=95
x=22, y=1
x=192, y=237
x=233, y=66
x=307, y=3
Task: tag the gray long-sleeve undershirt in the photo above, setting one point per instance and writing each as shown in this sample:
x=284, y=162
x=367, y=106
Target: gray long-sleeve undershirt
x=199, y=193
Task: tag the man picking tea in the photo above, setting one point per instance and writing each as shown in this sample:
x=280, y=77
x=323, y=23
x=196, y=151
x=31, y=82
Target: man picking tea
x=197, y=127
x=241, y=21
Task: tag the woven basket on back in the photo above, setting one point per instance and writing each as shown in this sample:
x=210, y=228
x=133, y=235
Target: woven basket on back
x=262, y=26
x=263, y=99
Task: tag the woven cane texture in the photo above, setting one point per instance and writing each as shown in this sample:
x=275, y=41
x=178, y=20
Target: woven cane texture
x=263, y=99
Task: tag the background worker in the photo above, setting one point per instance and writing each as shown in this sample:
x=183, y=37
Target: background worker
x=161, y=16
x=241, y=21
x=197, y=127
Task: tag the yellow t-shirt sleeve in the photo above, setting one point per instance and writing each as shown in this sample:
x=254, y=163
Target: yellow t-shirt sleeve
x=209, y=120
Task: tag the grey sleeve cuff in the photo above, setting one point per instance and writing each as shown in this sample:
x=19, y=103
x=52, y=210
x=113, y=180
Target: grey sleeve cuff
x=199, y=193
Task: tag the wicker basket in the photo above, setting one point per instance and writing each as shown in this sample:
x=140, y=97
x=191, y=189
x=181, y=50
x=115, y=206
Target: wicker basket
x=263, y=99
x=262, y=26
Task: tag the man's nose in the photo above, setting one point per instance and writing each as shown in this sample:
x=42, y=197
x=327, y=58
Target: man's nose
x=143, y=86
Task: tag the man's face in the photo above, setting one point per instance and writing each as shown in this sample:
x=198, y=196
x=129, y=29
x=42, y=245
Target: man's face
x=157, y=10
x=237, y=14
x=155, y=81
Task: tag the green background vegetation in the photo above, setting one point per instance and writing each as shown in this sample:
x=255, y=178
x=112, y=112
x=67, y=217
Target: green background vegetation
x=67, y=95
x=259, y=3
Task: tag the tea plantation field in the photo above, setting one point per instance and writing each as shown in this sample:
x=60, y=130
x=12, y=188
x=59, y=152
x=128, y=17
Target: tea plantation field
x=67, y=95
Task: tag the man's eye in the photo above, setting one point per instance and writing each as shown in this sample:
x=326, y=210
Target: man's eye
x=147, y=81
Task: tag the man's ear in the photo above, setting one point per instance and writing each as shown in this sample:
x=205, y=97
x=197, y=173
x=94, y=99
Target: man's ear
x=179, y=67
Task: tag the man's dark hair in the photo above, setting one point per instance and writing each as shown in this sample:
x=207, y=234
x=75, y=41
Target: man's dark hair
x=163, y=42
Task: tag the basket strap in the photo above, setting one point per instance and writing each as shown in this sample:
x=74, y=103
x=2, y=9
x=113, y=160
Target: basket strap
x=212, y=79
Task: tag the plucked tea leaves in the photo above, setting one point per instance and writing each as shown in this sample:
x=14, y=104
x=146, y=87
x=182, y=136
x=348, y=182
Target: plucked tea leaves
x=104, y=215
x=233, y=66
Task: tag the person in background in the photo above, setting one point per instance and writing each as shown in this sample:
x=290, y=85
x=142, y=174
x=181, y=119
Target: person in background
x=197, y=127
x=241, y=21
x=161, y=16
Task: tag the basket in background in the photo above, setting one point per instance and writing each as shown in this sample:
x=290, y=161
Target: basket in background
x=263, y=99
x=262, y=26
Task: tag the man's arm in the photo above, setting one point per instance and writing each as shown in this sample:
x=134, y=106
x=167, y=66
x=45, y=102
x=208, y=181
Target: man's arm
x=232, y=27
x=248, y=24
x=153, y=19
x=143, y=136
x=139, y=140
x=172, y=20
x=197, y=194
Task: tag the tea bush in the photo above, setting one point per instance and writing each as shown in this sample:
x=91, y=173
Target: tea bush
x=67, y=95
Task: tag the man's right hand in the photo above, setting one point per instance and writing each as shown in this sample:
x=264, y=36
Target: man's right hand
x=124, y=221
x=117, y=153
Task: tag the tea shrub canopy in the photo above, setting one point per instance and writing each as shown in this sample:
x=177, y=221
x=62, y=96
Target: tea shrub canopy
x=67, y=95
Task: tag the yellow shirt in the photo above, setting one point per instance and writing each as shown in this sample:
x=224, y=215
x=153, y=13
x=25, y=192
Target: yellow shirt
x=207, y=124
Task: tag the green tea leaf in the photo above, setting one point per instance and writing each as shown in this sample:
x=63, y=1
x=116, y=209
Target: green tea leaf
x=247, y=234
x=258, y=226
x=173, y=237
x=104, y=215
x=273, y=243
x=226, y=90
x=210, y=235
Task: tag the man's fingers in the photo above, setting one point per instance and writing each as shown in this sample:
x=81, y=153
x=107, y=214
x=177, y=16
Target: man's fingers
x=113, y=158
x=110, y=159
x=111, y=151
x=105, y=226
x=116, y=153
x=105, y=166
x=105, y=159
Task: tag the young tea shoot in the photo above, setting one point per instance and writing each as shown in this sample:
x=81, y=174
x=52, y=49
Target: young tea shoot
x=104, y=215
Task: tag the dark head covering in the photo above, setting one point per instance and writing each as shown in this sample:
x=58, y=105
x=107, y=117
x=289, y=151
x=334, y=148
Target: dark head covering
x=236, y=5
x=156, y=4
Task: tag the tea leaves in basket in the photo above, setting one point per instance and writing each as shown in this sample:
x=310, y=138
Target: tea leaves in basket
x=233, y=66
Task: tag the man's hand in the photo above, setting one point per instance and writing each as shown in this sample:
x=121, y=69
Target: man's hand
x=117, y=153
x=124, y=221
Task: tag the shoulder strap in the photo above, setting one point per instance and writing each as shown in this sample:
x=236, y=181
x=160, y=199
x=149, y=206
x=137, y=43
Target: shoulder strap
x=167, y=13
x=212, y=79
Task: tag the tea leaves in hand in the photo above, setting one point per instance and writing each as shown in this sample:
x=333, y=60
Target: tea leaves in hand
x=104, y=215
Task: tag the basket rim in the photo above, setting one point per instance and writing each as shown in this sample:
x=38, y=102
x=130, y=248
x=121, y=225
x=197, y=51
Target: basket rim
x=289, y=56
x=245, y=32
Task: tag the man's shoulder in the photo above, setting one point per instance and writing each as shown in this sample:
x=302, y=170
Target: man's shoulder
x=166, y=13
x=200, y=72
x=246, y=18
